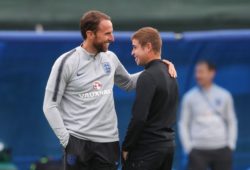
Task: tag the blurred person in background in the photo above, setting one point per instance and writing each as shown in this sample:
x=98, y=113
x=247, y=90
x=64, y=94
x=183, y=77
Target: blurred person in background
x=150, y=139
x=78, y=102
x=208, y=124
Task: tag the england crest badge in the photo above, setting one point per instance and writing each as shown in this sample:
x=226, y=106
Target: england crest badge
x=106, y=67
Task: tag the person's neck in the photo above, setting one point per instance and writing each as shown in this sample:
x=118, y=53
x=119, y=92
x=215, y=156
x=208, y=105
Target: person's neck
x=207, y=86
x=89, y=48
x=153, y=57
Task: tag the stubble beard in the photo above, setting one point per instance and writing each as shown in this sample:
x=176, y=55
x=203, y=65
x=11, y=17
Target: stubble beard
x=100, y=46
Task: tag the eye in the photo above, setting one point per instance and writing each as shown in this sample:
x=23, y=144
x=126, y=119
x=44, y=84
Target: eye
x=108, y=33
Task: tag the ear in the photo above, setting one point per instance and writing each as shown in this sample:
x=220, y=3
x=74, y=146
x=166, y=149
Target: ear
x=90, y=34
x=148, y=46
x=213, y=73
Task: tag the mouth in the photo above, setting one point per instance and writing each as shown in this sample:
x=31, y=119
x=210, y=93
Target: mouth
x=106, y=44
x=105, y=47
x=136, y=60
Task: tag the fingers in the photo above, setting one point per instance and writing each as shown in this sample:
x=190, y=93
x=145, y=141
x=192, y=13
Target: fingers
x=172, y=72
x=125, y=155
x=171, y=68
x=166, y=62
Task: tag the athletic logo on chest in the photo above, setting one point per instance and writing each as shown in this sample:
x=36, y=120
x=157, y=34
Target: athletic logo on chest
x=106, y=67
x=97, y=85
x=97, y=91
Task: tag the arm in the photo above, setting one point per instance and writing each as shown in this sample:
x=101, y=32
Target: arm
x=184, y=125
x=141, y=109
x=128, y=81
x=123, y=79
x=52, y=99
x=231, y=121
x=52, y=114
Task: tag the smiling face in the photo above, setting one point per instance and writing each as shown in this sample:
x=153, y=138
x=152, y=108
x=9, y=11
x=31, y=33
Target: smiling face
x=146, y=44
x=103, y=36
x=140, y=53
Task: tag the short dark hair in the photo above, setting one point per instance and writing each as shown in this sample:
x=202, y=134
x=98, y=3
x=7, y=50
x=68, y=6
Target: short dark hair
x=148, y=35
x=91, y=20
x=210, y=64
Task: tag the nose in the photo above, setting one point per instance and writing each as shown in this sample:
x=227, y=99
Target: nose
x=111, y=38
x=132, y=52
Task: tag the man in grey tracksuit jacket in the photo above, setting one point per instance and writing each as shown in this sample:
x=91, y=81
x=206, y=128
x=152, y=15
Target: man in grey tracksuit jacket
x=79, y=104
x=208, y=123
x=79, y=95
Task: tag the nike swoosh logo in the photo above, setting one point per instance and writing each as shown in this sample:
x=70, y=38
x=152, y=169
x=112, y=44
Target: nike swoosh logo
x=79, y=74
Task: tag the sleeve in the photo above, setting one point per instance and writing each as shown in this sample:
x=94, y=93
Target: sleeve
x=184, y=125
x=231, y=121
x=140, y=111
x=122, y=78
x=54, y=91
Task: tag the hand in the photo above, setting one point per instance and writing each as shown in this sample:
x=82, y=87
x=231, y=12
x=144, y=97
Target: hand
x=65, y=141
x=171, y=68
x=124, y=155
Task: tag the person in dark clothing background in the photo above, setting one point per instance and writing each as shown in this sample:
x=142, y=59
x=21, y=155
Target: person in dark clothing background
x=150, y=139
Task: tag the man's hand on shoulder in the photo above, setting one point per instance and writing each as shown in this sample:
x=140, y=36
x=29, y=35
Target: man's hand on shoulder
x=171, y=68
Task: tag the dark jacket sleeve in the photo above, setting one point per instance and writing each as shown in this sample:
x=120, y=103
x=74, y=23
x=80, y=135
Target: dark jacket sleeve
x=145, y=90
